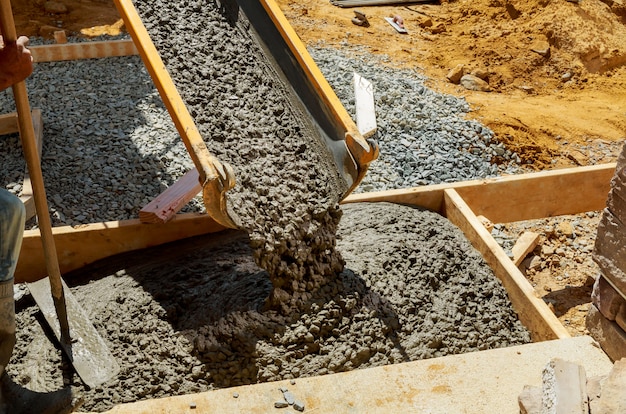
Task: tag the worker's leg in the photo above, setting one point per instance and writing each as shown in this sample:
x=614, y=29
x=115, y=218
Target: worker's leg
x=11, y=231
x=14, y=398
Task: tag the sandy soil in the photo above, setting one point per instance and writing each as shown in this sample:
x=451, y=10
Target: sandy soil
x=531, y=107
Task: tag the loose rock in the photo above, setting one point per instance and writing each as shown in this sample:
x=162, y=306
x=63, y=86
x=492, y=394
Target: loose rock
x=455, y=74
x=474, y=83
x=55, y=7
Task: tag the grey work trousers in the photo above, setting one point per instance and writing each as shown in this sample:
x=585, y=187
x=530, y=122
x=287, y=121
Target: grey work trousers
x=12, y=215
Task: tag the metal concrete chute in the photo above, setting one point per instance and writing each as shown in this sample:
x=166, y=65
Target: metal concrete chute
x=351, y=151
x=348, y=151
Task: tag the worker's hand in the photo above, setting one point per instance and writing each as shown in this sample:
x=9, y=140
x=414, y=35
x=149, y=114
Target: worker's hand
x=16, y=62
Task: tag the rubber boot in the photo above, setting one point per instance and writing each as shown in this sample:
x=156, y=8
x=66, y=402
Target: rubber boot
x=7, y=335
x=7, y=323
x=15, y=399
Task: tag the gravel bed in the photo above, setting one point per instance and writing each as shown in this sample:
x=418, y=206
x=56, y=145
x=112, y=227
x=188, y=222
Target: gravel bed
x=423, y=135
x=412, y=288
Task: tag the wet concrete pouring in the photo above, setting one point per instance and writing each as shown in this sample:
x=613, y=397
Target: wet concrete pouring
x=278, y=300
x=188, y=317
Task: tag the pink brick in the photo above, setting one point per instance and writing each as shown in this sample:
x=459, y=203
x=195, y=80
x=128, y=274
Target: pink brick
x=607, y=300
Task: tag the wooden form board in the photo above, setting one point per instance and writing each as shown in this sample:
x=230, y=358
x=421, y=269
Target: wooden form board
x=82, y=50
x=86, y=244
x=532, y=311
x=515, y=197
x=81, y=245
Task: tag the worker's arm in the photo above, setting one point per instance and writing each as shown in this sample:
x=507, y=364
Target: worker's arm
x=16, y=62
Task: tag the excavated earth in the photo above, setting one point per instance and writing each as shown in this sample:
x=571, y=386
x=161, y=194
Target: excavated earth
x=412, y=288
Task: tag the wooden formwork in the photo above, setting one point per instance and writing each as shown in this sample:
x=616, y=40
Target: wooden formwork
x=486, y=381
x=507, y=199
x=501, y=200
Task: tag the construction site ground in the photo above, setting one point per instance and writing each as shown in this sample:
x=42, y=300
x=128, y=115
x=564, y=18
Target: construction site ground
x=556, y=68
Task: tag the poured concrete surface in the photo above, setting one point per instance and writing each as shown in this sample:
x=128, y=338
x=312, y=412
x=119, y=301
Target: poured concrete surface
x=480, y=382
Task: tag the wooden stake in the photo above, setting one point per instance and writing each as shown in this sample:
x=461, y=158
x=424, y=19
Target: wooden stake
x=524, y=245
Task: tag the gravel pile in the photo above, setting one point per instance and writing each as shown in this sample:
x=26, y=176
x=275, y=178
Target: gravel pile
x=423, y=135
x=189, y=318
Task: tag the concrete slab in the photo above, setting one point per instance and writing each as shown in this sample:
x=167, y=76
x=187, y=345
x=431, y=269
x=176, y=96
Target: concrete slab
x=479, y=382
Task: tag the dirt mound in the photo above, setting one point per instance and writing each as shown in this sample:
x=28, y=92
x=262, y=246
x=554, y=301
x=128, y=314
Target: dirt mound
x=554, y=41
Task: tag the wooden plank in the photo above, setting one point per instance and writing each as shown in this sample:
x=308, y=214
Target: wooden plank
x=364, y=105
x=82, y=50
x=27, y=187
x=168, y=203
x=8, y=123
x=60, y=37
x=532, y=311
x=429, y=197
x=524, y=245
x=539, y=195
x=515, y=197
x=85, y=244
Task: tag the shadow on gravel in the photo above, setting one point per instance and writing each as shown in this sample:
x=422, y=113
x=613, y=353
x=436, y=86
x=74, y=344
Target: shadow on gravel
x=109, y=146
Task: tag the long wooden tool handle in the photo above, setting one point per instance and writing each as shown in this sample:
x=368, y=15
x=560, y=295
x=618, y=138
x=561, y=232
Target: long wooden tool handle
x=31, y=155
